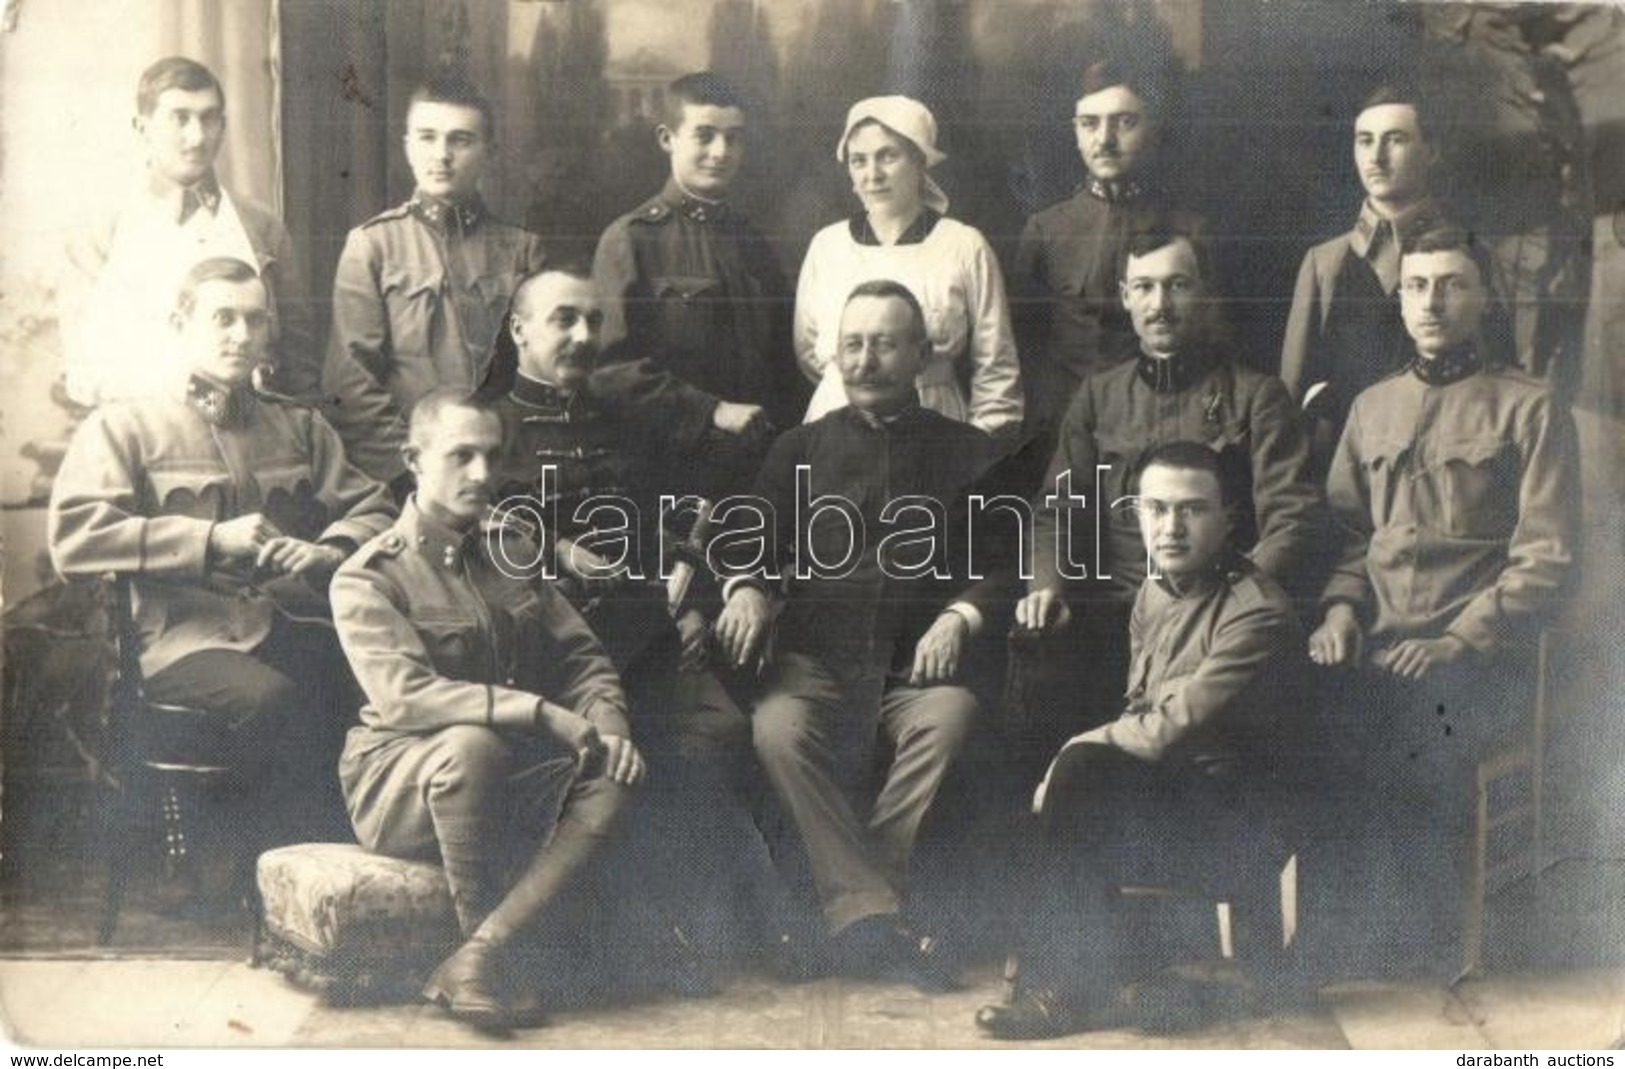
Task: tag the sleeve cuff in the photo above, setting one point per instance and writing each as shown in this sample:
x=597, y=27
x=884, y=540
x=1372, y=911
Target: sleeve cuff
x=970, y=613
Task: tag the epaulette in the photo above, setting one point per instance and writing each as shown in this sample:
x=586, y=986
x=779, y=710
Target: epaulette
x=387, y=545
x=1517, y=374
x=653, y=210
x=266, y=395
x=400, y=211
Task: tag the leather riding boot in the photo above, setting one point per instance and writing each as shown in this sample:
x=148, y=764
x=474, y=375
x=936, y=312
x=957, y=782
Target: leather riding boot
x=465, y=984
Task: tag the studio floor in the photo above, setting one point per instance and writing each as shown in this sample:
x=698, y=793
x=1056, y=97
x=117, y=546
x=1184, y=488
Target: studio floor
x=56, y=1004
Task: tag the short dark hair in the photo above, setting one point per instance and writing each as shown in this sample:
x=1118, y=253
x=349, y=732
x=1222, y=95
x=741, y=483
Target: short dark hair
x=1144, y=80
x=1450, y=238
x=885, y=287
x=174, y=72
x=214, y=269
x=1159, y=233
x=455, y=89
x=504, y=365
x=573, y=268
x=427, y=410
x=1402, y=93
x=1186, y=455
x=701, y=88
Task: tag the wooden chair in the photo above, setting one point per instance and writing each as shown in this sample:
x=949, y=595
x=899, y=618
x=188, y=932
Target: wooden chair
x=147, y=773
x=1507, y=847
x=1024, y=649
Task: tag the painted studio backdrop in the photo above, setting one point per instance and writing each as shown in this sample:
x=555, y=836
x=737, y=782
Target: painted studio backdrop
x=1532, y=96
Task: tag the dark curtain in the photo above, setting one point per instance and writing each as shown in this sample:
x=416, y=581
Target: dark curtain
x=347, y=70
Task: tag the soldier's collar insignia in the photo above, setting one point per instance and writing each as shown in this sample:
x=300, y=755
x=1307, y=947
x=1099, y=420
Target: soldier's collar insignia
x=219, y=404
x=1447, y=367
x=1118, y=192
x=698, y=209
x=447, y=214
x=444, y=545
x=534, y=393
x=1171, y=374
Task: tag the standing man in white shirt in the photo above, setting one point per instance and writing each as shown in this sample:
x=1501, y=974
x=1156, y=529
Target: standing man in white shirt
x=119, y=289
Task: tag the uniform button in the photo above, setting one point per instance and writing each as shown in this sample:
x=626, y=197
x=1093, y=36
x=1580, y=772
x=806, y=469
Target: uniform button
x=508, y=682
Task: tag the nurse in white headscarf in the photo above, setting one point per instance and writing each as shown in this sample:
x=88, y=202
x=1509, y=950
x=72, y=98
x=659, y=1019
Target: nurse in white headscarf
x=903, y=234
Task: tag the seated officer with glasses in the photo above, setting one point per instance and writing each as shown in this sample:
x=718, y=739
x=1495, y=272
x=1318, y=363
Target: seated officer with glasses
x=1180, y=785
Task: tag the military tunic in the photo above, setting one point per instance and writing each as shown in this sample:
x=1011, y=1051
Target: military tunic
x=1119, y=415
x=1189, y=766
x=144, y=482
x=418, y=300
x=1069, y=317
x=1345, y=330
x=692, y=286
x=1457, y=502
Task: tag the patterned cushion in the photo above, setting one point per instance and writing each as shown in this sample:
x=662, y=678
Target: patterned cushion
x=338, y=902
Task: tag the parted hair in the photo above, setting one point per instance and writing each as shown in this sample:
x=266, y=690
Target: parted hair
x=214, y=269
x=1404, y=93
x=174, y=72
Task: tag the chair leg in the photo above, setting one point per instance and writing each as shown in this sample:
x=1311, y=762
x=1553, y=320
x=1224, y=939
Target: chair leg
x=118, y=830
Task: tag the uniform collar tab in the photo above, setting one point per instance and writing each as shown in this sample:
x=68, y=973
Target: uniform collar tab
x=1447, y=367
x=221, y=405
x=447, y=214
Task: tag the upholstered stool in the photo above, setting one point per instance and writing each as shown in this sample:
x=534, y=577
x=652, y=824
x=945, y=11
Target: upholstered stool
x=353, y=925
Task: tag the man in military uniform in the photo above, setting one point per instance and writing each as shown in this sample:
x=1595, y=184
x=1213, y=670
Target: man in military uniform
x=1456, y=494
x=1070, y=321
x=421, y=289
x=119, y=288
x=1344, y=332
x=690, y=284
x=880, y=646
x=565, y=447
x=1180, y=784
x=229, y=512
x=493, y=715
x=1182, y=385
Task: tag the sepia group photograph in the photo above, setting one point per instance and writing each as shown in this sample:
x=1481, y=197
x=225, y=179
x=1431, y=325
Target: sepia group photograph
x=914, y=525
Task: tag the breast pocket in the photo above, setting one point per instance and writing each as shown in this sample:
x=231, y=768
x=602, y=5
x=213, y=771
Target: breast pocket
x=451, y=638
x=683, y=308
x=1479, y=486
x=289, y=499
x=413, y=297
x=1384, y=468
x=200, y=493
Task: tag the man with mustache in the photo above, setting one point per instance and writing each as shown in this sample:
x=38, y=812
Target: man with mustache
x=1180, y=784
x=1344, y=332
x=1069, y=320
x=119, y=289
x=1456, y=493
x=1182, y=385
x=223, y=508
x=421, y=289
x=572, y=439
x=495, y=733
x=871, y=638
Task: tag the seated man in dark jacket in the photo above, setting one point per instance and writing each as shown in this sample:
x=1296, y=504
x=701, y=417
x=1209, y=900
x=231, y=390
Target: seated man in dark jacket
x=872, y=636
x=1178, y=784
